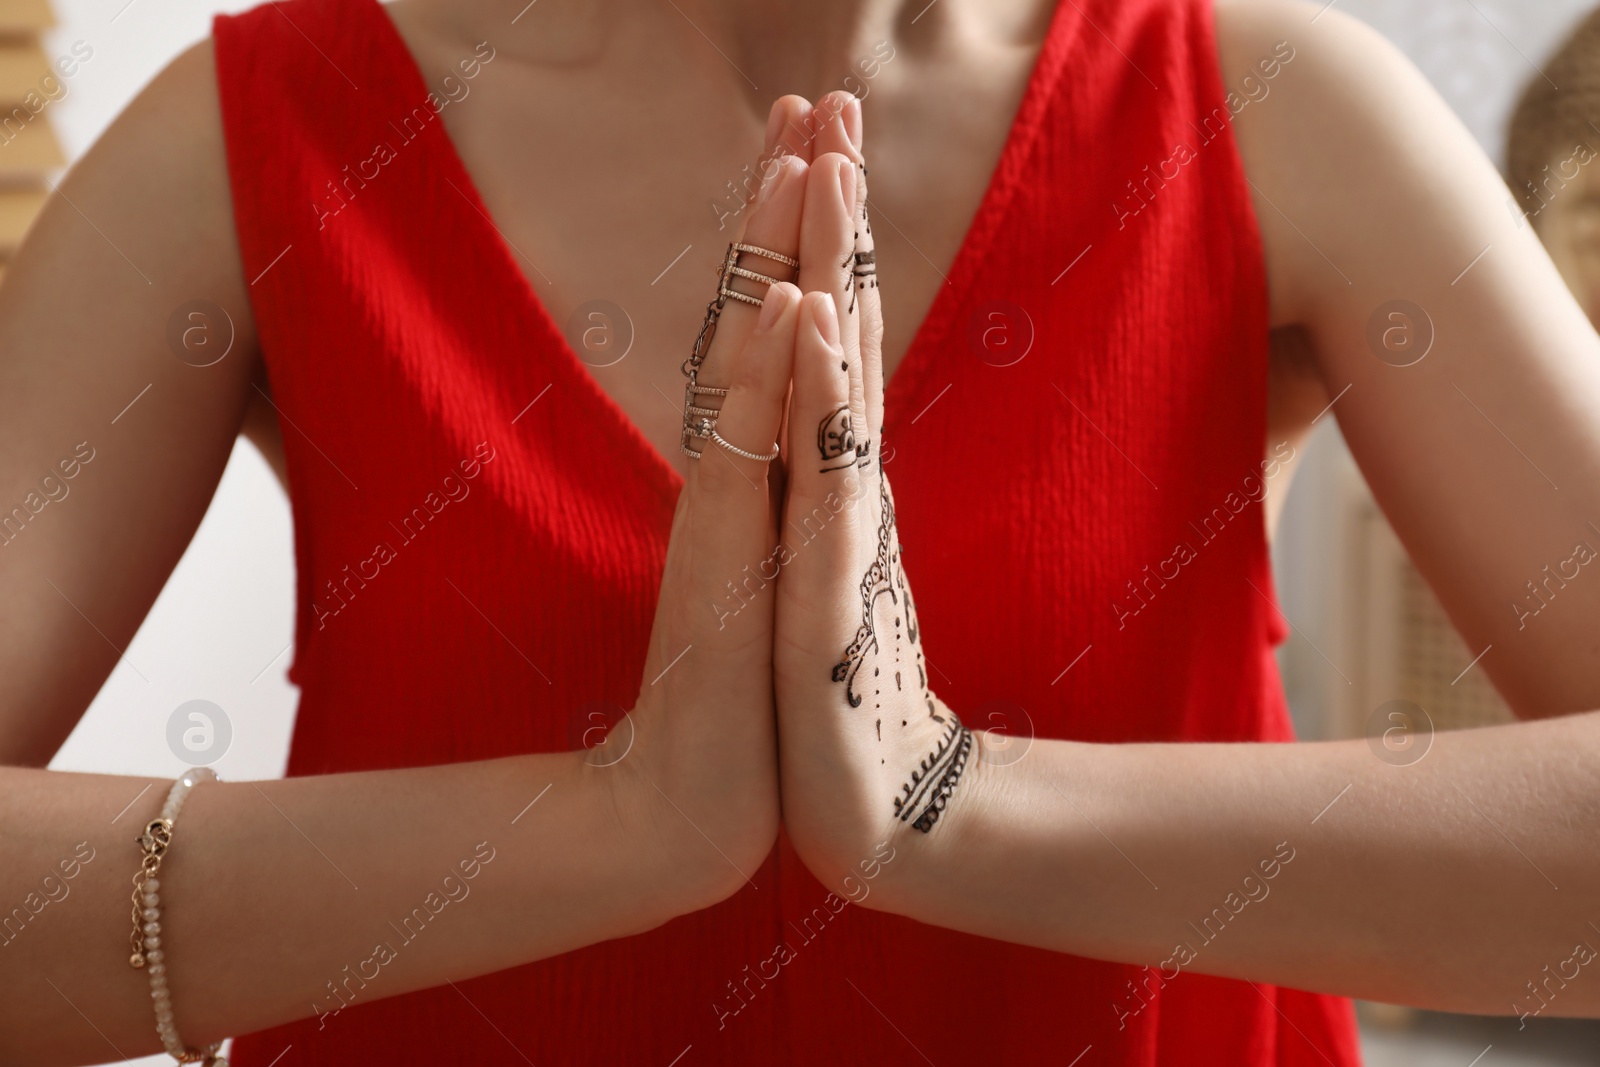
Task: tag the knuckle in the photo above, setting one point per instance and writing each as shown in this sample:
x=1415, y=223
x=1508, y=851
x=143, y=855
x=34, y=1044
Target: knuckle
x=746, y=380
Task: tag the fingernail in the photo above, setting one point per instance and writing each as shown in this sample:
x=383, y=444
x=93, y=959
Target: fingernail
x=825, y=318
x=772, y=306
x=852, y=121
x=847, y=187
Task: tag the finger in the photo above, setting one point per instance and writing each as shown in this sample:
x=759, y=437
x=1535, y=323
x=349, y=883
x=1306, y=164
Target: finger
x=845, y=135
x=789, y=129
x=837, y=125
x=823, y=477
x=828, y=520
x=750, y=422
x=773, y=224
x=865, y=275
x=723, y=529
x=827, y=257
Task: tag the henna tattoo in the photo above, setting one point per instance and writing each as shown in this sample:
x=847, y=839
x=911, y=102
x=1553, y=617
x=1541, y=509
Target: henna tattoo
x=836, y=438
x=861, y=183
x=866, y=269
x=861, y=270
x=911, y=615
x=934, y=780
x=912, y=634
x=861, y=266
x=874, y=584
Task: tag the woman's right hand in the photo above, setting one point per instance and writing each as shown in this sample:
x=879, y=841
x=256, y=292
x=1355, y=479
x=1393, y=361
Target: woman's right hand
x=694, y=766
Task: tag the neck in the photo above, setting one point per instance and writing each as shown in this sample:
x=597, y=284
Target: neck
x=783, y=46
x=810, y=46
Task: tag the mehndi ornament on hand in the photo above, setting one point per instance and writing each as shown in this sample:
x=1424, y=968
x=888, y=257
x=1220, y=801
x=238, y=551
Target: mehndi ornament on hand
x=934, y=780
x=836, y=440
x=700, y=421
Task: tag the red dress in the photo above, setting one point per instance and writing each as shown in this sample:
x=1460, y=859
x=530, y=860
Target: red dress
x=475, y=574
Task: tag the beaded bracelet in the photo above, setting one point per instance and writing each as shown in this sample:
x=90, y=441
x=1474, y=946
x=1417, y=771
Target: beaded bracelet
x=146, y=939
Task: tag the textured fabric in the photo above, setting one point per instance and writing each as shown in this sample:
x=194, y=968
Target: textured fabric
x=474, y=572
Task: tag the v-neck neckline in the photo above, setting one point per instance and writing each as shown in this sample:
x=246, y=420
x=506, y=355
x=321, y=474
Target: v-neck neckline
x=914, y=367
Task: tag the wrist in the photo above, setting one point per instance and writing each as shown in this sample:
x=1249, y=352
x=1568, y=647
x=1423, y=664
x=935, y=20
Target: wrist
x=685, y=839
x=930, y=868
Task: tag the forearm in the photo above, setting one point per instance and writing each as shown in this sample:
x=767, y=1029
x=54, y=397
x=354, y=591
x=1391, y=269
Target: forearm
x=285, y=899
x=1316, y=866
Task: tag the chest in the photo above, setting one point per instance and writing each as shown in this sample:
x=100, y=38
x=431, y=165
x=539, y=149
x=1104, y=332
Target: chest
x=1096, y=493
x=615, y=186
x=619, y=187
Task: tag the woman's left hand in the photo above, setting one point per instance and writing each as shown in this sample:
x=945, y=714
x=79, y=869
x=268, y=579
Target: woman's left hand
x=868, y=754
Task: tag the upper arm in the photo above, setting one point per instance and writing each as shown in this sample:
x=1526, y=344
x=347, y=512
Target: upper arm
x=1485, y=454
x=99, y=498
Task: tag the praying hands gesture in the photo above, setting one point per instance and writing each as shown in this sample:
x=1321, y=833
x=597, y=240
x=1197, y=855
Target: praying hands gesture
x=868, y=751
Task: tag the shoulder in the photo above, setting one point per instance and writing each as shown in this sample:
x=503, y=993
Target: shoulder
x=185, y=89
x=166, y=152
x=1345, y=136
x=154, y=190
x=1327, y=38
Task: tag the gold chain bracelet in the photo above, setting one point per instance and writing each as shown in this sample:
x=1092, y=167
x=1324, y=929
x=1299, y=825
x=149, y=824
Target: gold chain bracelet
x=148, y=955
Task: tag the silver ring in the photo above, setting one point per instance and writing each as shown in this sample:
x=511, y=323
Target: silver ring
x=766, y=253
x=736, y=450
x=755, y=276
x=699, y=421
x=754, y=301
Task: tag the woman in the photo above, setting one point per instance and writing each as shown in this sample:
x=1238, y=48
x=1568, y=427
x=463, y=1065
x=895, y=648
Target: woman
x=500, y=546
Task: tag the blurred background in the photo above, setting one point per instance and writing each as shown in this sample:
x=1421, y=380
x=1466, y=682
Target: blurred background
x=1367, y=630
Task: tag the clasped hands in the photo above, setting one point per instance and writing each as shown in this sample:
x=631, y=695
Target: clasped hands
x=785, y=677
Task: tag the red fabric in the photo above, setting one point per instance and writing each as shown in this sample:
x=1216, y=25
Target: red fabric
x=400, y=334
